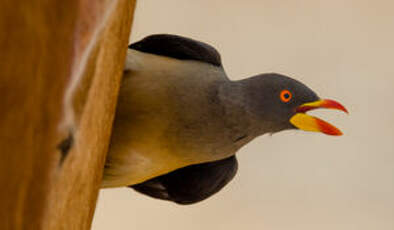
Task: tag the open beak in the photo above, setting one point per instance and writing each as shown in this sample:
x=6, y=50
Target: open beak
x=303, y=121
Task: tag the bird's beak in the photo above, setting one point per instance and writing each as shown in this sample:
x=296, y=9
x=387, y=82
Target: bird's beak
x=309, y=123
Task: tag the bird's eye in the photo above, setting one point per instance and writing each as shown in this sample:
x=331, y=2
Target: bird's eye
x=285, y=95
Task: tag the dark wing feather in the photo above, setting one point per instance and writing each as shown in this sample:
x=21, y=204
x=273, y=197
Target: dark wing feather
x=178, y=47
x=191, y=184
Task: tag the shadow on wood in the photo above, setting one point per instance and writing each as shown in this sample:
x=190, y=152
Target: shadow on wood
x=60, y=68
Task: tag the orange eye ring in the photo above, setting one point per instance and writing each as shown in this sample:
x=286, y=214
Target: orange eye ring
x=285, y=95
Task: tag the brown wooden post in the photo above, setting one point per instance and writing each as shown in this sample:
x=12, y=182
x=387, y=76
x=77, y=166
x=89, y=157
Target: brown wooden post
x=60, y=69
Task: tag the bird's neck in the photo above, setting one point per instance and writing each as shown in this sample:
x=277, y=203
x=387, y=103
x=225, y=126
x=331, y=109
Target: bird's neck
x=235, y=101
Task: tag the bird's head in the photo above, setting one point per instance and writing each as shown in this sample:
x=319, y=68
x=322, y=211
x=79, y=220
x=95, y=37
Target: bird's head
x=281, y=103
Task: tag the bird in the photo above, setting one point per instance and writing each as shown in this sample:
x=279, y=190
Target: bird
x=180, y=120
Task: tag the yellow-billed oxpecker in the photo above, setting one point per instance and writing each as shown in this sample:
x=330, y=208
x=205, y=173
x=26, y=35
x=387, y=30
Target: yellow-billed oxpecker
x=180, y=120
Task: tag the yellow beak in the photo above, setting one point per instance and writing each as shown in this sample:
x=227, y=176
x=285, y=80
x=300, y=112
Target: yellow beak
x=303, y=121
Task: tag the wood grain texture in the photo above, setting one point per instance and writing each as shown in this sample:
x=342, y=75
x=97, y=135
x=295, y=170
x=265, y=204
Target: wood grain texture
x=60, y=68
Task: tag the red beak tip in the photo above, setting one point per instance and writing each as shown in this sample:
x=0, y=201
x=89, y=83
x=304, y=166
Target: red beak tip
x=334, y=105
x=342, y=108
x=338, y=134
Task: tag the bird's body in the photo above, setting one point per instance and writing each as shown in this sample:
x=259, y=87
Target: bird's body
x=180, y=119
x=164, y=120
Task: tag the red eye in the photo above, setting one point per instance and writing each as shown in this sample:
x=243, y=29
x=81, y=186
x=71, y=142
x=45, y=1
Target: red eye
x=285, y=95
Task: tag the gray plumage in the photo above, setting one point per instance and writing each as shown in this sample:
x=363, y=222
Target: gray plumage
x=180, y=119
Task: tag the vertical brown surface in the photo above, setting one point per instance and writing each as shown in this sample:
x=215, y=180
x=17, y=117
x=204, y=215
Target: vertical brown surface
x=45, y=46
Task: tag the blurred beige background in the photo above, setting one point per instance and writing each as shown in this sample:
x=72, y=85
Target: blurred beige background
x=343, y=50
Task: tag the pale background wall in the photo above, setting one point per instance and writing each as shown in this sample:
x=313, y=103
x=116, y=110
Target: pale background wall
x=293, y=180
